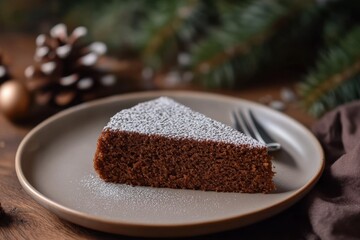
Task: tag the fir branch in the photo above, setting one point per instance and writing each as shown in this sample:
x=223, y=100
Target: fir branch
x=169, y=26
x=335, y=78
x=117, y=23
x=244, y=31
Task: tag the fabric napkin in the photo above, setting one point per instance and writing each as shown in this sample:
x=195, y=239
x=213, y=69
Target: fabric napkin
x=332, y=208
x=334, y=204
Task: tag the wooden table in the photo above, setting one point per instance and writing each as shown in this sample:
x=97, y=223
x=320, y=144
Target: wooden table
x=25, y=219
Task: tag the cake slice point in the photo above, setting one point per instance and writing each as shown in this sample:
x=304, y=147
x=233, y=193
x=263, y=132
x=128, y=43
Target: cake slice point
x=162, y=143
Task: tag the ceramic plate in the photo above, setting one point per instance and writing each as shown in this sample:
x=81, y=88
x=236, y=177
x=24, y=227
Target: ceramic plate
x=54, y=164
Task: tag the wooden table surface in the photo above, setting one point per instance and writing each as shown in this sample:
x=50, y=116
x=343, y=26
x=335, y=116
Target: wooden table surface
x=25, y=219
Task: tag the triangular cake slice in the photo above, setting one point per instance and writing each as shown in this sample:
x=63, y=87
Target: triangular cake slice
x=161, y=143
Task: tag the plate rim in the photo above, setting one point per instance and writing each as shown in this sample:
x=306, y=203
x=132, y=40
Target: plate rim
x=61, y=210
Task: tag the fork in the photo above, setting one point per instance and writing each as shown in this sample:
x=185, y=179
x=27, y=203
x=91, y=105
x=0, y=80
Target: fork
x=245, y=122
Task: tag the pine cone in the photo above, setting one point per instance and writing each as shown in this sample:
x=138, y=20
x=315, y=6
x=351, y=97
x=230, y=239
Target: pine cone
x=65, y=71
x=4, y=72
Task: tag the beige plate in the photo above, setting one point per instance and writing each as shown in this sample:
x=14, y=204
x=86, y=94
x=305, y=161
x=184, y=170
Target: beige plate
x=54, y=164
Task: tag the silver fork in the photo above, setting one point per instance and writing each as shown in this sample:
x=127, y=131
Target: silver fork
x=245, y=122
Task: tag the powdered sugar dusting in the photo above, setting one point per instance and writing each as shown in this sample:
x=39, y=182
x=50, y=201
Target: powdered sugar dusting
x=164, y=116
x=161, y=201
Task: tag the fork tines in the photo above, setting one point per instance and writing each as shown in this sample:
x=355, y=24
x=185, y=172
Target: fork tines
x=246, y=123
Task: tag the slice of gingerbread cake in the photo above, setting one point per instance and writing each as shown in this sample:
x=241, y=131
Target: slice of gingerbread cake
x=161, y=143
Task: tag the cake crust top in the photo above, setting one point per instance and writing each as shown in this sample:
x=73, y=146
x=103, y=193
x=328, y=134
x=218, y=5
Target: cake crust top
x=165, y=117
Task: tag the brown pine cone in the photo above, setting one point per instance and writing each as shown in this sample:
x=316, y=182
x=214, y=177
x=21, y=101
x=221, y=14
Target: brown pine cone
x=65, y=71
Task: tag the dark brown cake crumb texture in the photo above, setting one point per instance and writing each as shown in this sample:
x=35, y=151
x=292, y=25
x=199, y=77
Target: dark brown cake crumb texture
x=158, y=161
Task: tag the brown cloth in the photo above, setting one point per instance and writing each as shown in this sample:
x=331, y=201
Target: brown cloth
x=334, y=204
x=332, y=208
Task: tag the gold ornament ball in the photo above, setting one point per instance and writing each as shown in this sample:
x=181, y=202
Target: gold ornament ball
x=14, y=100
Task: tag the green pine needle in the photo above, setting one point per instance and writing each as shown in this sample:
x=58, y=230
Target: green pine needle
x=169, y=27
x=238, y=48
x=335, y=80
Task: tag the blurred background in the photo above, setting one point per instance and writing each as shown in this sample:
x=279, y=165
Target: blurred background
x=201, y=44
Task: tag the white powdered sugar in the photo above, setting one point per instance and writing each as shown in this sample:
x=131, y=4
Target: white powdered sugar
x=163, y=116
x=148, y=204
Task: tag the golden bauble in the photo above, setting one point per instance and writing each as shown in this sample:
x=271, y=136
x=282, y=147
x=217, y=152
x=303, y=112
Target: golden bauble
x=14, y=100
